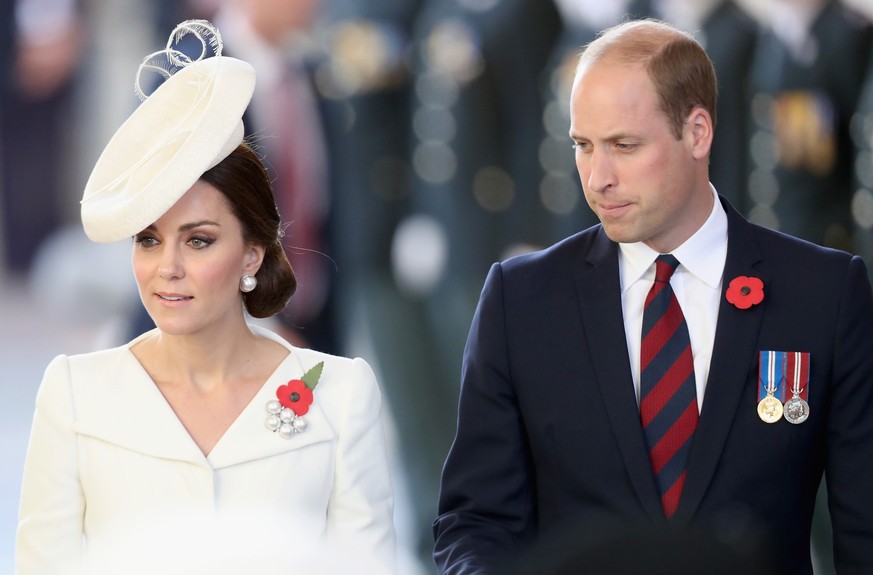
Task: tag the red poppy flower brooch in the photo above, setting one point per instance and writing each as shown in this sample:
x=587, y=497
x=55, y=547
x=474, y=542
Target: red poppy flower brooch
x=744, y=292
x=285, y=414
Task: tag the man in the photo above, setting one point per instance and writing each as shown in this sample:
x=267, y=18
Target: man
x=570, y=413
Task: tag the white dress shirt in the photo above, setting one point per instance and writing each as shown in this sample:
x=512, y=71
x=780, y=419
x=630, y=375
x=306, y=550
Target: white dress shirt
x=696, y=282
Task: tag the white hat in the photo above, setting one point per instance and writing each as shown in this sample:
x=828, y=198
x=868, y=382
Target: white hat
x=185, y=127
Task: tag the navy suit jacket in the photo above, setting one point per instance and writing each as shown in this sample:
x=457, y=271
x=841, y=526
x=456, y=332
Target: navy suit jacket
x=549, y=432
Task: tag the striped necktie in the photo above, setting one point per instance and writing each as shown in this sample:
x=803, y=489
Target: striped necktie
x=668, y=395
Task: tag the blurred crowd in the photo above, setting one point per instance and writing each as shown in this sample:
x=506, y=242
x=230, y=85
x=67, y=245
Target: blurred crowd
x=415, y=142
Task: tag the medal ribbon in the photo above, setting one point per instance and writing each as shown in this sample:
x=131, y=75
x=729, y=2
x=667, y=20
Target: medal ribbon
x=771, y=374
x=797, y=408
x=798, y=368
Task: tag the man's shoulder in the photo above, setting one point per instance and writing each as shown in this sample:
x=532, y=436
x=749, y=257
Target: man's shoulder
x=794, y=262
x=562, y=253
x=779, y=246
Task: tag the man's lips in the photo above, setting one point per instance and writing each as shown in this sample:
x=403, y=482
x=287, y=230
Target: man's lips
x=612, y=209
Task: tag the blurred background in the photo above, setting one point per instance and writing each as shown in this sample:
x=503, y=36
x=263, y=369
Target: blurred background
x=413, y=143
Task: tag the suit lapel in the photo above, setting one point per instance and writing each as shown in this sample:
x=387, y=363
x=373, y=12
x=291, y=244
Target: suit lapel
x=599, y=292
x=735, y=338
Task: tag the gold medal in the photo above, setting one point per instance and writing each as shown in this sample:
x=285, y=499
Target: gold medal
x=770, y=409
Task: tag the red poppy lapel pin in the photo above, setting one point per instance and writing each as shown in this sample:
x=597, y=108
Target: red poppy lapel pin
x=744, y=292
x=285, y=414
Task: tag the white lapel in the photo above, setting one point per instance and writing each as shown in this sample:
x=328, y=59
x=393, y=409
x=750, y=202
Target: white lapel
x=248, y=438
x=127, y=409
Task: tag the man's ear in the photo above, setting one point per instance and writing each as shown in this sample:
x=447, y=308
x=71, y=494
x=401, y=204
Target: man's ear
x=699, y=133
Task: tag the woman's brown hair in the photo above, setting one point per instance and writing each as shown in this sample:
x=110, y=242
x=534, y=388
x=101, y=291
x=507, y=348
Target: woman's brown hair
x=244, y=181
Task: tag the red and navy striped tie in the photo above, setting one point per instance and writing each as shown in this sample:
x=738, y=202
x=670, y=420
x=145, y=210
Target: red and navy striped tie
x=668, y=395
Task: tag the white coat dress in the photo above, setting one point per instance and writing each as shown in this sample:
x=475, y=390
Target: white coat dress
x=113, y=481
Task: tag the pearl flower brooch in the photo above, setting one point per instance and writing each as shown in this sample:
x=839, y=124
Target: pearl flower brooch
x=285, y=414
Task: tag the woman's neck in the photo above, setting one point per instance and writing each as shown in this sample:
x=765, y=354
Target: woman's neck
x=203, y=360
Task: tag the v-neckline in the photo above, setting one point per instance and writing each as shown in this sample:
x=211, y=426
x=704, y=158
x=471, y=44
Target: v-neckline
x=250, y=404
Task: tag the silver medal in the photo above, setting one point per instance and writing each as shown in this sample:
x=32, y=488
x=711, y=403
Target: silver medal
x=796, y=410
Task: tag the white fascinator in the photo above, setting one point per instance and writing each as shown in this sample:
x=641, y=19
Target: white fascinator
x=191, y=122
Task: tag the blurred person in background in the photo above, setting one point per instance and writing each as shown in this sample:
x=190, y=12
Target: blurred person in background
x=805, y=81
x=475, y=127
x=7, y=49
x=467, y=117
x=590, y=400
x=7, y=41
x=205, y=422
x=365, y=85
x=862, y=138
x=35, y=117
x=7, y=57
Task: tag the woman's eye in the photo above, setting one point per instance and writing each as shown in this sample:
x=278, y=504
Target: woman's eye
x=146, y=241
x=199, y=243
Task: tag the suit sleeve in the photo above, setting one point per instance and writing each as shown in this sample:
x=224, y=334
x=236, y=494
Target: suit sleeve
x=486, y=505
x=849, y=464
x=52, y=507
x=361, y=508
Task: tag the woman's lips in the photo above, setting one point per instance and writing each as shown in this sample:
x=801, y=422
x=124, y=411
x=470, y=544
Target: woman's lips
x=173, y=298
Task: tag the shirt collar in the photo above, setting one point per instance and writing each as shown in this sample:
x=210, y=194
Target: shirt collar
x=703, y=254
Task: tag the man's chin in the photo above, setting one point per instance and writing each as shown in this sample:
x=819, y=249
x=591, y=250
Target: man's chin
x=620, y=234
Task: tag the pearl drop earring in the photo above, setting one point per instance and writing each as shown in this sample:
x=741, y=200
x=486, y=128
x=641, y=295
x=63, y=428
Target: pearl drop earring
x=248, y=283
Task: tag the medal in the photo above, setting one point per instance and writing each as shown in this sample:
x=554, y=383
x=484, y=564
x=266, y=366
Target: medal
x=770, y=409
x=796, y=408
x=770, y=375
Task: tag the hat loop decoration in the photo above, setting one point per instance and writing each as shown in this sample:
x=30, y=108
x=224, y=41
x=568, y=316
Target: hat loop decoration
x=168, y=61
x=184, y=127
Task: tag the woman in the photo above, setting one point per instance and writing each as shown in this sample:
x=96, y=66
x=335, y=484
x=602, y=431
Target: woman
x=205, y=441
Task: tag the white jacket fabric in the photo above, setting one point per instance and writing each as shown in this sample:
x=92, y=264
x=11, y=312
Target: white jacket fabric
x=114, y=482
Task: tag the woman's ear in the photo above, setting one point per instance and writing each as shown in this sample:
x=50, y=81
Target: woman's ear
x=254, y=257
